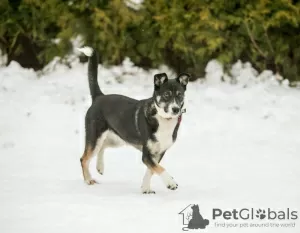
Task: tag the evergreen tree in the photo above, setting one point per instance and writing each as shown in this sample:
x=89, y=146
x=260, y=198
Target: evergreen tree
x=184, y=34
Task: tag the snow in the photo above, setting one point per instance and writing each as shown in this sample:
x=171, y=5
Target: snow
x=237, y=148
x=214, y=72
x=134, y=4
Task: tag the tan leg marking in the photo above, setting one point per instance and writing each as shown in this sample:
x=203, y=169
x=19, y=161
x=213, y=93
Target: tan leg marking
x=85, y=162
x=157, y=169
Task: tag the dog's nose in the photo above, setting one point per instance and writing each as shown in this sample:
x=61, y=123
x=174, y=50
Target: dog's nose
x=175, y=110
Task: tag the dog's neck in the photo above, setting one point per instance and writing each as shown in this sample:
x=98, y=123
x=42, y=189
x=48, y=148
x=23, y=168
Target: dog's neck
x=178, y=118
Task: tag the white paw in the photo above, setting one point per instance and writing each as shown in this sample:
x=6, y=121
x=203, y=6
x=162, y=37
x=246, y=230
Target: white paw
x=91, y=182
x=169, y=181
x=100, y=168
x=147, y=190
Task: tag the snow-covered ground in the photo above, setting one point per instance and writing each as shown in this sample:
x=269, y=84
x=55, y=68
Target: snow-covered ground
x=237, y=148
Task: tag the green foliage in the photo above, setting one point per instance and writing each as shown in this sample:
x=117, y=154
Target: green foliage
x=30, y=26
x=184, y=34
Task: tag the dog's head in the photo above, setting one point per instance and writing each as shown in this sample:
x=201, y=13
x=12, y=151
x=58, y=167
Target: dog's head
x=195, y=208
x=169, y=94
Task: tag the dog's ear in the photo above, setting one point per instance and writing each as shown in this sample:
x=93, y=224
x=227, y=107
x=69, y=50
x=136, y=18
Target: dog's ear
x=160, y=79
x=183, y=79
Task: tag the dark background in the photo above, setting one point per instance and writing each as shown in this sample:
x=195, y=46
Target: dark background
x=184, y=34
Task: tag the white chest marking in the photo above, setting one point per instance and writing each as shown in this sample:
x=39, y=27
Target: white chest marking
x=164, y=135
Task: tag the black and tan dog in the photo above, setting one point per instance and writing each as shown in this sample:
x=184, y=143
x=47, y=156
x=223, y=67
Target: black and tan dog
x=150, y=125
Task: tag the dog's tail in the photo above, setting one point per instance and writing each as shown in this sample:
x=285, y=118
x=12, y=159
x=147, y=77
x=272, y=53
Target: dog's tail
x=92, y=71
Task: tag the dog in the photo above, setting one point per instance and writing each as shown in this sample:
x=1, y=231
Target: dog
x=150, y=125
x=197, y=220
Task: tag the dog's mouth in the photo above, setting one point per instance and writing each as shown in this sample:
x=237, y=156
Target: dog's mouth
x=169, y=113
x=175, y=115
x=178, y=116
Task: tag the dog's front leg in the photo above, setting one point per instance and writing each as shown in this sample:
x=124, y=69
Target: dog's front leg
x=146, y=189
x=154, y=168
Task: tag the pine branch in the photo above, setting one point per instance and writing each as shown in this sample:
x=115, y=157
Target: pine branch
x=268, y=41
x=253, y=40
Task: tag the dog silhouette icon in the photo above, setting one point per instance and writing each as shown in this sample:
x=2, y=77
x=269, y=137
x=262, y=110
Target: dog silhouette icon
x=197, y=221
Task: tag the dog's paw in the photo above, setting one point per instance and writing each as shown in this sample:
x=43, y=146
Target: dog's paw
x=100, y=167
x=172, y=184
x=147, y=191
x=100, y=171
x=169, y=181
x=91, y=182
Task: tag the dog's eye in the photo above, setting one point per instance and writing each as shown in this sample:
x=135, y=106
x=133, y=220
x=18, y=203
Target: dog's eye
x=179, y=94
x=167, y=94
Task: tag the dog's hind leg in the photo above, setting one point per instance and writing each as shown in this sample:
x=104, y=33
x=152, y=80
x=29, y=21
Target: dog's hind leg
x=96, y=131
x=100, y=159
x=85, y=162
x=89, y=152
x=111, y=140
